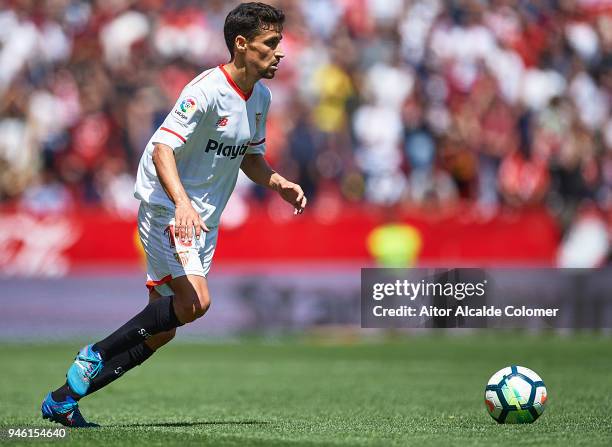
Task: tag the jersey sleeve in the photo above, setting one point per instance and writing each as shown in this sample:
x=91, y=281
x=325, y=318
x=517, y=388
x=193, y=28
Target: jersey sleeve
x=179, y=125
x=258, y=143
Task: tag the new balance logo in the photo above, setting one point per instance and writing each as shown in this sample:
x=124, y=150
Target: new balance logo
x=226, y=151
x=222, y=122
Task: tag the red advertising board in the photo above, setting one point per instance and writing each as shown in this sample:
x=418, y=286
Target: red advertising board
x=60, y=244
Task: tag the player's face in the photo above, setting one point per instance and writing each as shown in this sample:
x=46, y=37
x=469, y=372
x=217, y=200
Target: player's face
x=264, y=53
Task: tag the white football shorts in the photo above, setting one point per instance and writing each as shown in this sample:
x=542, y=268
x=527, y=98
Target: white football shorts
x=167, y=256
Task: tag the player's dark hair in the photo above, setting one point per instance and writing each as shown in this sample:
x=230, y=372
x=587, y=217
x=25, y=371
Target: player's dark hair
x=249, y=20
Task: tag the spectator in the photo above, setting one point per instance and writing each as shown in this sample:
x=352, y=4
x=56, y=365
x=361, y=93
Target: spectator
x=496, y=103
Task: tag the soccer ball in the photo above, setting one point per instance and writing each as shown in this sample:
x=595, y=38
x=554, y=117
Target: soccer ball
x=515, y=395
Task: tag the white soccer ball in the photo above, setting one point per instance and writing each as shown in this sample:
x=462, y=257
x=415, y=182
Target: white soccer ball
x=515, y=395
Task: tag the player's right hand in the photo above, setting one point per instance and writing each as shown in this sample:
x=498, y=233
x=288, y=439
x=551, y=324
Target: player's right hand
x=186, y=220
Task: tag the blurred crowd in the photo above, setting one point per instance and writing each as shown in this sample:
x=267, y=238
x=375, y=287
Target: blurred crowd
x=417, y=103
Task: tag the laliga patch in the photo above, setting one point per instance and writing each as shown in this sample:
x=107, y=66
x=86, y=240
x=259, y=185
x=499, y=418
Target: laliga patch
x=185, y=109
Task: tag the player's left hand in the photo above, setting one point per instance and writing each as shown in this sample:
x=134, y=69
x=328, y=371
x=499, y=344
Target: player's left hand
x=292, y=193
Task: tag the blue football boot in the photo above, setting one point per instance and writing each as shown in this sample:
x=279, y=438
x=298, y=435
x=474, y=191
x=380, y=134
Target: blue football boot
x=66, y=413
x=86, y=366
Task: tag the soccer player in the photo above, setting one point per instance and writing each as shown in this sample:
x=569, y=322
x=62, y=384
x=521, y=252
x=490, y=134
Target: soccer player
x=185, y=177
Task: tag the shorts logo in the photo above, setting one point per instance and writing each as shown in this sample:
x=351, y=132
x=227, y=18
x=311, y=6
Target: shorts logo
x=182, y=257
x=257, y=120
x=222, y=122
x=185, y=108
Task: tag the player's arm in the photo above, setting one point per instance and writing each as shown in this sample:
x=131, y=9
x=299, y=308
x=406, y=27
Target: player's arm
x=258, y=170
x=186, y=218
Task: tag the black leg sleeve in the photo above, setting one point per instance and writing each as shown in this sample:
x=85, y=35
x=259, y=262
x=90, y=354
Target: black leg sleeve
x=157, y=317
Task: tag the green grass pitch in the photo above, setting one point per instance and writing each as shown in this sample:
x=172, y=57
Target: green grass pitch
x=418, y=390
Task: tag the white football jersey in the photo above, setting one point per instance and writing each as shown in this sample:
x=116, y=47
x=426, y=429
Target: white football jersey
x=211, y=127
